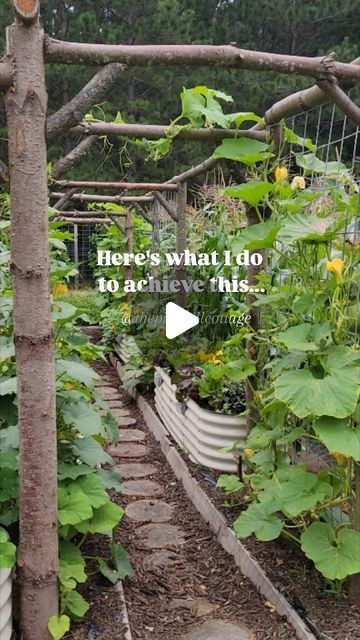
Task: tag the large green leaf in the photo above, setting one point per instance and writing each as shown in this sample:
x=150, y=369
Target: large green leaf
x=7, y=551
x=238, y=370
x=72, y=564
x=80, y=415
x=7, y=386
x=121, y=567
x=336, y=556
x=250, y=192
x=73, y=506
x=94, y=489
x=90, y=451
x=305, y=226
x=77, y=371
x=72, y=471
x=58, y=626
x=339, y=436
x=257, y=236
x=294, y=495
x=259, y=519
x=74, y=603
x=104, y=519
x=304, y=337
x=231, y=483
x=334, y=392
x=243, y=150
x=310, y=162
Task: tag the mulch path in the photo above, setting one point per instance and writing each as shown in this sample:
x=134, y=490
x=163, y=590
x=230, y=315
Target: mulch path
x=158, y=598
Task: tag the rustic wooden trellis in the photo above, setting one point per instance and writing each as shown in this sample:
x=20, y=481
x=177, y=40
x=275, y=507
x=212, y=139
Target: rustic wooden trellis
x=22, y=78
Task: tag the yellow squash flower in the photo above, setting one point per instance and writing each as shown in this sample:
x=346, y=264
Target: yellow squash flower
x=339, y=457
x=68, y=386
x=249, y=453
x=60, y=289
x=298, y=183
x=281, y=174
x=336, y=267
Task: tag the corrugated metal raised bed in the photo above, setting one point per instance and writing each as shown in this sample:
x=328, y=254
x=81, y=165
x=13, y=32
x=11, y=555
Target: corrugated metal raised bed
x=200, y=432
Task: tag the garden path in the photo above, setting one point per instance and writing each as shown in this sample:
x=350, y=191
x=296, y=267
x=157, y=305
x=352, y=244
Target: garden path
x=185, y=586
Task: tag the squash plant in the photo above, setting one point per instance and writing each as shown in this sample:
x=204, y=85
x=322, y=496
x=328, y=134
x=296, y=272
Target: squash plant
x=84, y=505
x=308, y=353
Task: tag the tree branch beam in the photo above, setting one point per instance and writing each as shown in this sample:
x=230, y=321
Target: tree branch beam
x=63, y=164
x=96, y=214
x=155, y=131
x=166, y=205
x=64, y=199
x=203, y=167
x=93, y=92
x=126, y=186
x=341, y=100
x=198, y=55
x=90, y=197
x=300, y=101
x=84, y=220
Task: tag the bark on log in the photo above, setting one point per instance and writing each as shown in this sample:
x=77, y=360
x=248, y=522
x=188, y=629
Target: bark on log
x=84, y=220
x=354, y=593
x=102, y=213
x=198, y=55
x=181, y=241
x=126, y=186
x=63, y=202
x=341, y=100
x=166, y=205
x=301, y=101
x=75, y=154
x=93, y=92
x=90, y=197
x=207, y=165
x=156, y=131
x=26, y=106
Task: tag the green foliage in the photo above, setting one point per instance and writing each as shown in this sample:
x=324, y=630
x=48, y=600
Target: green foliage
x=120, y=567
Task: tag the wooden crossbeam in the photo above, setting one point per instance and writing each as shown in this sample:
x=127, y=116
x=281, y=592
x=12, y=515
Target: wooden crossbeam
x=196, y=55
x=156, y=131
x=126, y=186
x=90, y=197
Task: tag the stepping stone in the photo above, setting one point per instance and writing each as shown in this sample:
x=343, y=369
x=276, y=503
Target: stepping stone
x=147, y=488
x=119, y=412
x=131, y=435
x=115, y=404
x=109, y=393
x=124, y=421
x=216, y=629
x=135, y=470
x=149, y=511
x=199, y=606
x=156, y=536
x=162, y=558
x=128, y=450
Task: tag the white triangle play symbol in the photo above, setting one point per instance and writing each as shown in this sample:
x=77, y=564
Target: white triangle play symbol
x=178, y=320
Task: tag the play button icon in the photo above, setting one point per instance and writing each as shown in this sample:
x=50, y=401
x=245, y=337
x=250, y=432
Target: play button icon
x=178, y=320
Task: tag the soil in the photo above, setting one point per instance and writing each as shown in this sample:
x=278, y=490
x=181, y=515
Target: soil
x=201, y=583
x=331, y=613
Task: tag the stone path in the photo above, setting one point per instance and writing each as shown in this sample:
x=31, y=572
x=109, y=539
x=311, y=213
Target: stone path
x=152, y=517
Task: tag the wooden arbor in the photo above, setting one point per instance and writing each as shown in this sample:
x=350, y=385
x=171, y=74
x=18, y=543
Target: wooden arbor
x=22, y=77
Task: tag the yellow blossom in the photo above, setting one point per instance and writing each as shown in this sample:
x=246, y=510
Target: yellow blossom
x=298, y=183
x=281, y=173
x=68, y=386
x=249, y=453
x=339, y=457
x=59, y=289
x=336, y=267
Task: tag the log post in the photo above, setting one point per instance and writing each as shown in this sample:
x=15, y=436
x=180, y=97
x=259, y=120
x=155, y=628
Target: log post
x=181, y=240
x=26, y=105
x=129, y=247
x=354, y=592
